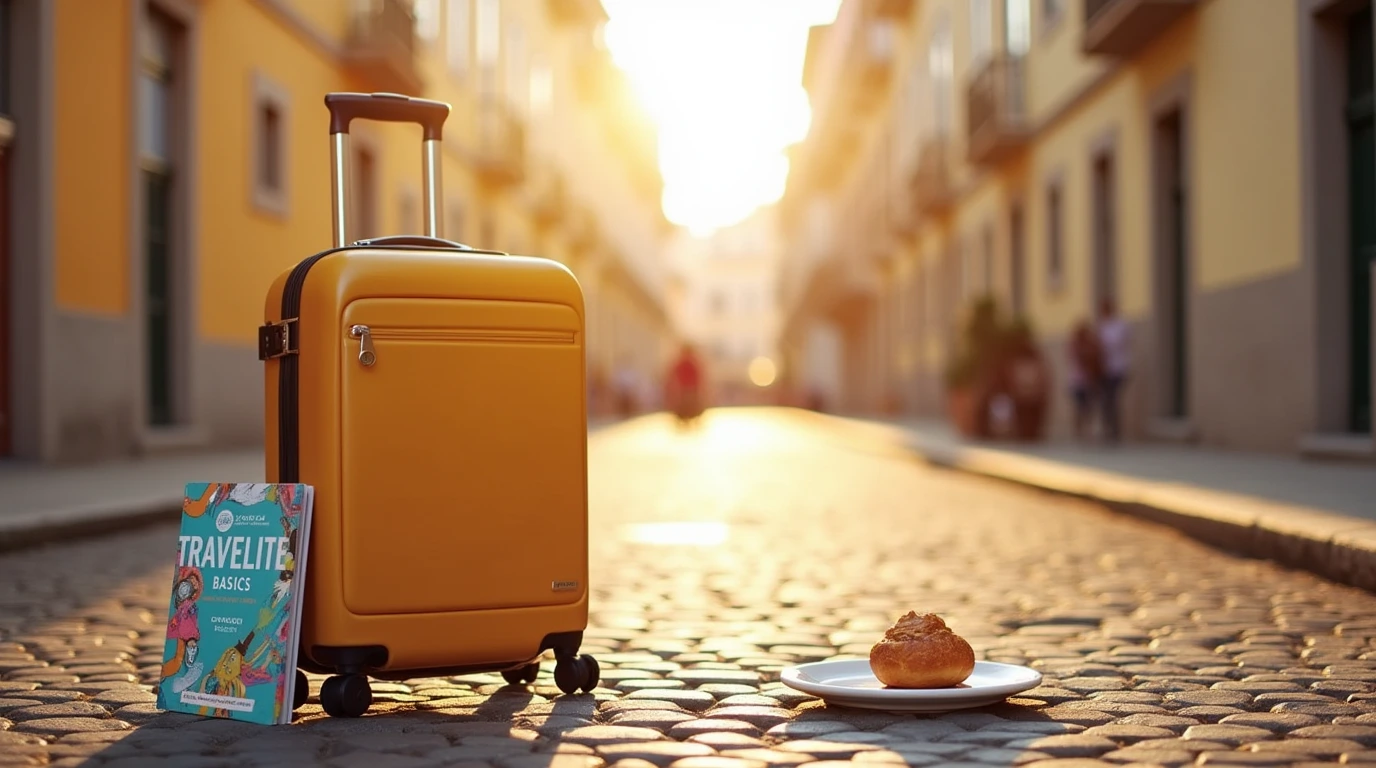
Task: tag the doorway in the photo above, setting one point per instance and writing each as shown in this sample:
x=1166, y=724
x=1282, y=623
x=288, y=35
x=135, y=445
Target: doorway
x=1173, y=279
x=162, y=161
x=6, y=307
x=1017, y=277
x=1104, y=236
x=6, y=418
x=1361, y=211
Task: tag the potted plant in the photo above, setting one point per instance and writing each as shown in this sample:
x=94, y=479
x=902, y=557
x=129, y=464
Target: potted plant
x=1026, y=379
x=996, y=358
x=970, y=369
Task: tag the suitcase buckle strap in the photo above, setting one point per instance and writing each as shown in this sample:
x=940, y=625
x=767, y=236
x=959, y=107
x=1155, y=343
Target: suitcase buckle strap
x=277, y=339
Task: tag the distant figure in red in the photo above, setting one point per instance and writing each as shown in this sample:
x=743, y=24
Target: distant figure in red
x=683, y=393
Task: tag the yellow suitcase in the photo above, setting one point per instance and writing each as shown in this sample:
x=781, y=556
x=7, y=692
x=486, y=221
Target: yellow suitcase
x=434, y=396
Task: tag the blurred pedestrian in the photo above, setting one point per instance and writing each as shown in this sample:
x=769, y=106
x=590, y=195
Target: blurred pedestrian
x=683, y=395
x=1114, y=341
x=1086, y=374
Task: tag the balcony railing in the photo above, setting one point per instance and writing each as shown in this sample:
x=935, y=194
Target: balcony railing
x=546, y=194
x=892, y=9
x=500, y=150
x=996, y=102
x=1125, y=27
x=583, y=231
x=592, y=73
x=576, y=11
x=871, y=62
x=932, y=190
x=381, y=46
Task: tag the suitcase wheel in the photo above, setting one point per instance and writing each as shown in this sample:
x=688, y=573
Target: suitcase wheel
x=301, y=692
x=572, y=673
x=526, y=674
x=346, y=695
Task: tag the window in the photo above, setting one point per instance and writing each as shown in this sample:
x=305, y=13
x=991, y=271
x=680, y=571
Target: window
x=488, y=29
x=941, y=62
x=487, y=231
x=541, y=87
x=1052, y=11
x=987, y=268
x=517, y=69
x=458, y=35
x=487, y=46
x=364, y=223
x=453, y=223
x=981, y=31
x=5, y=49
x=269, y=132
x=427, y=18
x=1055, y=244
x=1017, y=26
x=408, y=213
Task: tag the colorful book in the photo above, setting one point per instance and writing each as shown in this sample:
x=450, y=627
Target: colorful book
x=232, y=630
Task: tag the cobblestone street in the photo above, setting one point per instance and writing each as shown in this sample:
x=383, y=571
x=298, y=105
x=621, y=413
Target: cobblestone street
x=720, y=556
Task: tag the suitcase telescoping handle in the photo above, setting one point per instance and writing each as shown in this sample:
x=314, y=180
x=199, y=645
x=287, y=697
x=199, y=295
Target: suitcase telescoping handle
x=389, y=107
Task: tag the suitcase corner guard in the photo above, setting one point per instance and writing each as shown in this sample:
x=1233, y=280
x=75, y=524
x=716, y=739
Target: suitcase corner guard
x=277, y=339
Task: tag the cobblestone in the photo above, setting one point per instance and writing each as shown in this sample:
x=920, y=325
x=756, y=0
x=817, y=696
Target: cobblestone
x=1155, y=649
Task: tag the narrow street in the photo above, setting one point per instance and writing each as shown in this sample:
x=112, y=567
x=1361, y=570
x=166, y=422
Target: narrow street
x=720, y=555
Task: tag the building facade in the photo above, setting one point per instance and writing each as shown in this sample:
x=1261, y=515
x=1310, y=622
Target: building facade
x=724, y=290
x=164, y=160
x=1206, y=164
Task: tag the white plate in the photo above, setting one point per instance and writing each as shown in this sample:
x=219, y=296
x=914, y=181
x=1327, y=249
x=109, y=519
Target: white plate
x=851, y=683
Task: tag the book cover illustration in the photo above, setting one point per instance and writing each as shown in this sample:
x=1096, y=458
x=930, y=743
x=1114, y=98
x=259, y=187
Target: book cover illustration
x=232, y=632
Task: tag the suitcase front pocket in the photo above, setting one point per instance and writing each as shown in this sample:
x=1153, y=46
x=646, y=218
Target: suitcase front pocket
x=368, y=336
x=464, y=473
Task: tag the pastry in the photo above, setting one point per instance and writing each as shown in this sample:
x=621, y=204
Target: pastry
x=920, y=651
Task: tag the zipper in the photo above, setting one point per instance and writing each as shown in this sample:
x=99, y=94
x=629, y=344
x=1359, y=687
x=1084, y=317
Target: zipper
x=367, y=351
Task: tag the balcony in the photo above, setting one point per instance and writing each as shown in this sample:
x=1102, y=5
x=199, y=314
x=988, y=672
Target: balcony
x=931, y=185
x=997, y=122
x=546, y=195
x=870, y=63
x=583, y=232
x=576, y=12
x=898, y=10
x=903, y=213
x=380, y=49
x=499, y=156
x=592, y=74
x=1124, y=27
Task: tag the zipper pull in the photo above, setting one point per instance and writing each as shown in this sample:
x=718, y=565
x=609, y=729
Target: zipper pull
x=366, y=355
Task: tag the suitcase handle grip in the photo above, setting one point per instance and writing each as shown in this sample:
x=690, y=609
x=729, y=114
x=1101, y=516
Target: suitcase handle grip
x=426, y=242
x=388, y=107
x=394, y=108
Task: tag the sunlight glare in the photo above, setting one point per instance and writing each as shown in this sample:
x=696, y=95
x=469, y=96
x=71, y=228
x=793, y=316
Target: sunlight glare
x=696, y=534
x=762, y=372
x=723, y=82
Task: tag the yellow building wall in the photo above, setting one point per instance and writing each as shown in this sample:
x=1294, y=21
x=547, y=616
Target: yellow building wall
x=1056, y=68
x=329, y=17
x=1246, y=152
x=242, y=248
x=92, y=103
x=1243, y=172
x=1119, y=110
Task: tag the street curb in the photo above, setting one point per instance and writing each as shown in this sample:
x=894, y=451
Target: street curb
x=1333, y=546
x=61, y=526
